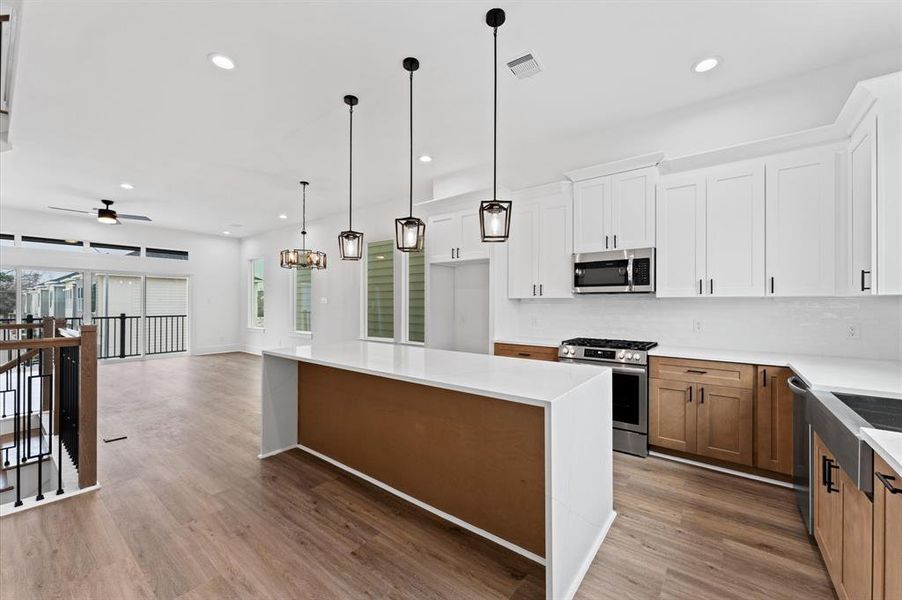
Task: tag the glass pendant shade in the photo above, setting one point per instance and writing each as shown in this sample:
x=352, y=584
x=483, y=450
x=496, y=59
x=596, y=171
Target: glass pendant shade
x=495, y=220
x=350, y=245
x=410, y=233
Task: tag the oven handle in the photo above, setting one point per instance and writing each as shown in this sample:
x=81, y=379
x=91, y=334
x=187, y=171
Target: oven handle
x=629, y=270
x=614, y=366
x=635, y=370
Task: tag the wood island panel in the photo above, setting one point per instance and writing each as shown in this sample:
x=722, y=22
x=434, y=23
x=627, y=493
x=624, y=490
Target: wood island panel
x=480, y=459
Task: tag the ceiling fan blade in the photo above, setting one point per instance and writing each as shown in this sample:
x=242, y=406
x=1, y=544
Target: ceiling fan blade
x=134, y=217
x=84, y=212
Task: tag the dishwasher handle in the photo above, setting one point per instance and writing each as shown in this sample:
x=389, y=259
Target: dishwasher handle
x=797, y=386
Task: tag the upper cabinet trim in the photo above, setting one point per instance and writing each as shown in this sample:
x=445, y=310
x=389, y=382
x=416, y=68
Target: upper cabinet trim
x=620, y=166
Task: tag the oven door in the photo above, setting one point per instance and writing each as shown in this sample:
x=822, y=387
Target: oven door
x=629, y=398
x=598, y=274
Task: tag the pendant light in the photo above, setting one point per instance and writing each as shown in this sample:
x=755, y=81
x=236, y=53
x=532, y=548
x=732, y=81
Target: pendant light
x=495, y=214
x=350, y=242
x=302, y=258
x=410, y=231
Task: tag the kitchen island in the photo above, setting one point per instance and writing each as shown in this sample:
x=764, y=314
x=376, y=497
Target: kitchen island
x=516, y=451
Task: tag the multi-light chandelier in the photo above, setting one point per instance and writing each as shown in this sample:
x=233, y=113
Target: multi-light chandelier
x=302, y=258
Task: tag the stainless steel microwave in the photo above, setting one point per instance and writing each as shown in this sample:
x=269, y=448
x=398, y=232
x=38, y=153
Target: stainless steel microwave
x=615, y=271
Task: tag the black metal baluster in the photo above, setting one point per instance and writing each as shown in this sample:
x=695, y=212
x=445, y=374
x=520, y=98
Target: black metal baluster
x=17, y=433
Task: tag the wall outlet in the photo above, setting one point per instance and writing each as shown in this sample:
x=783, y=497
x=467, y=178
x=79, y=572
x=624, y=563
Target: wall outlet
x=324, y=300
x=696, y=326
x=853, y=331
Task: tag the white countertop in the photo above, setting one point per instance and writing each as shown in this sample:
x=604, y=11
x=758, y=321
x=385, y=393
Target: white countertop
x=822, y=373
x=888, y=444
x=515, y=379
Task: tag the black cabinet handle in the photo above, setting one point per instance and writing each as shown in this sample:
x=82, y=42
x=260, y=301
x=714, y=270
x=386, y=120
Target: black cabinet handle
x=885, y=480
x=615, y=240
x=764, y=378
x=606, y=242
x=864, y=289
x=699, y=287
x=523, y=354
x=533, y=289
x=696, y=371
x=690, y=393
x=771, y=285
x=827, y=467
x=541, y=289
x=712, y=286
x=701, y=395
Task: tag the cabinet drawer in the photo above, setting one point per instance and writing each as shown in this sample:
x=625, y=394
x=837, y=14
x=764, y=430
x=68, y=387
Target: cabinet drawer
x=703, y=371
x=524, y=351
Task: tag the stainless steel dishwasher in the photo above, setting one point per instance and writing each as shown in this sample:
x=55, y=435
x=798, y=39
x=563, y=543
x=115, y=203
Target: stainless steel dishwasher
x=802, y=444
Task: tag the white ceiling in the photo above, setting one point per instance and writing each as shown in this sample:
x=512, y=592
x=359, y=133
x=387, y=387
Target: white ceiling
x=108, y=92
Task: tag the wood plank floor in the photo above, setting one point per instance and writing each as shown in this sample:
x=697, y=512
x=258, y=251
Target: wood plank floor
x=187, y=511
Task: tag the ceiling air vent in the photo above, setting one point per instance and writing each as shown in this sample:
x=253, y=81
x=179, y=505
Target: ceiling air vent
x=524, y=66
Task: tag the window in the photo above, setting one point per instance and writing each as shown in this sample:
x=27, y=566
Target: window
x=51, y=294
x=256, y=285
x=7, y=295
x=303, y=300
x=51, y=243
x=163, y=253
x=416, y=297
x=380, y=290
x=115, y=249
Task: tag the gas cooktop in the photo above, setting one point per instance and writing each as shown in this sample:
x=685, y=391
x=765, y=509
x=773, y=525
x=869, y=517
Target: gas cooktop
x=612, y=344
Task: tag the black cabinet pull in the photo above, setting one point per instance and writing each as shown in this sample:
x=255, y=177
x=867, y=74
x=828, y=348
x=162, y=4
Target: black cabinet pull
x=696, y=371
x=701, y=395
x=864, y=289
x=690, y=393
x=712, y=286
x=771, y=285
x=615, y=241
x=885, y=480
x=827, y=467
x=699, y=287
x=764, y=378
x=541, y=289
x=606, y=242
x=533, y=289
x=523, y=354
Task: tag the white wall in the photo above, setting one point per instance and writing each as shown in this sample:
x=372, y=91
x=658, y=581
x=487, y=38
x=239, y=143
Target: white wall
x=336, y=289
x=214, y=282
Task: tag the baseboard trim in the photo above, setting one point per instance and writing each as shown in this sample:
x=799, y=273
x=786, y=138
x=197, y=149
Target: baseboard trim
x=719, y=469
x=274, y=452
x=8, y=508
x=427, y=507
x=226, y=349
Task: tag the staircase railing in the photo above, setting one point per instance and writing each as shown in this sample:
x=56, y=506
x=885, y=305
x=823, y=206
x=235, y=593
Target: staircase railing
x=50, y=374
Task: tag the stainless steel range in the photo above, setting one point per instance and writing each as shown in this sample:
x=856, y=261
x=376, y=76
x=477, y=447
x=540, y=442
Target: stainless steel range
x=629, y=393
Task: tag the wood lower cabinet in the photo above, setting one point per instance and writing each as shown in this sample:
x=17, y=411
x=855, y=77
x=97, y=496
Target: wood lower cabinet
x=525, y=351
x=773, y=420
x=725, y=424
x=843, y=526
x=672, y=415
x=705, y=408
x=827, y=508
x=887, y=532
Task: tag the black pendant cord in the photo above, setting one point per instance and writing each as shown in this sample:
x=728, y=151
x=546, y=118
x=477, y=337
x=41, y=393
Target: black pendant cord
x=495, y=121
x=304, y=216
x=350, y=166
x=411, y=144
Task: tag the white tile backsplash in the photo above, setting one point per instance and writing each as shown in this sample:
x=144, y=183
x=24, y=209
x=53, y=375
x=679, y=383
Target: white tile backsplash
x=791, y=325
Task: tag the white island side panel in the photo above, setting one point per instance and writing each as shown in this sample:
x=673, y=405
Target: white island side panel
x=279, y=411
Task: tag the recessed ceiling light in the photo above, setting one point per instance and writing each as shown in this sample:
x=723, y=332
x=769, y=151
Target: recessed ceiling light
x=126, y=186
x=283, y=216
x=226, y=233
x=425, y=158
x=222, y=61
x=706, y=64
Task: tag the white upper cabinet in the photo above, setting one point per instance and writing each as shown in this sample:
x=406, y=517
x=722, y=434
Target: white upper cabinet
x=801, y=205
x=711, y=232
x=615, y=212
x=734, y=230
x=862, y=206
x=541, y=245
x=633, y=209
x=680, y=256
x=454, y=236
x=592, y=215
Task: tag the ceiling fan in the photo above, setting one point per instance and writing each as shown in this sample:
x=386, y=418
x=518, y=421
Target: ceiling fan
x=106, y=214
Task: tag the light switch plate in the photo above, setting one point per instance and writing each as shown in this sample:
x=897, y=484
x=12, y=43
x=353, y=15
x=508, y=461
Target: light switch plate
x=853, y=331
